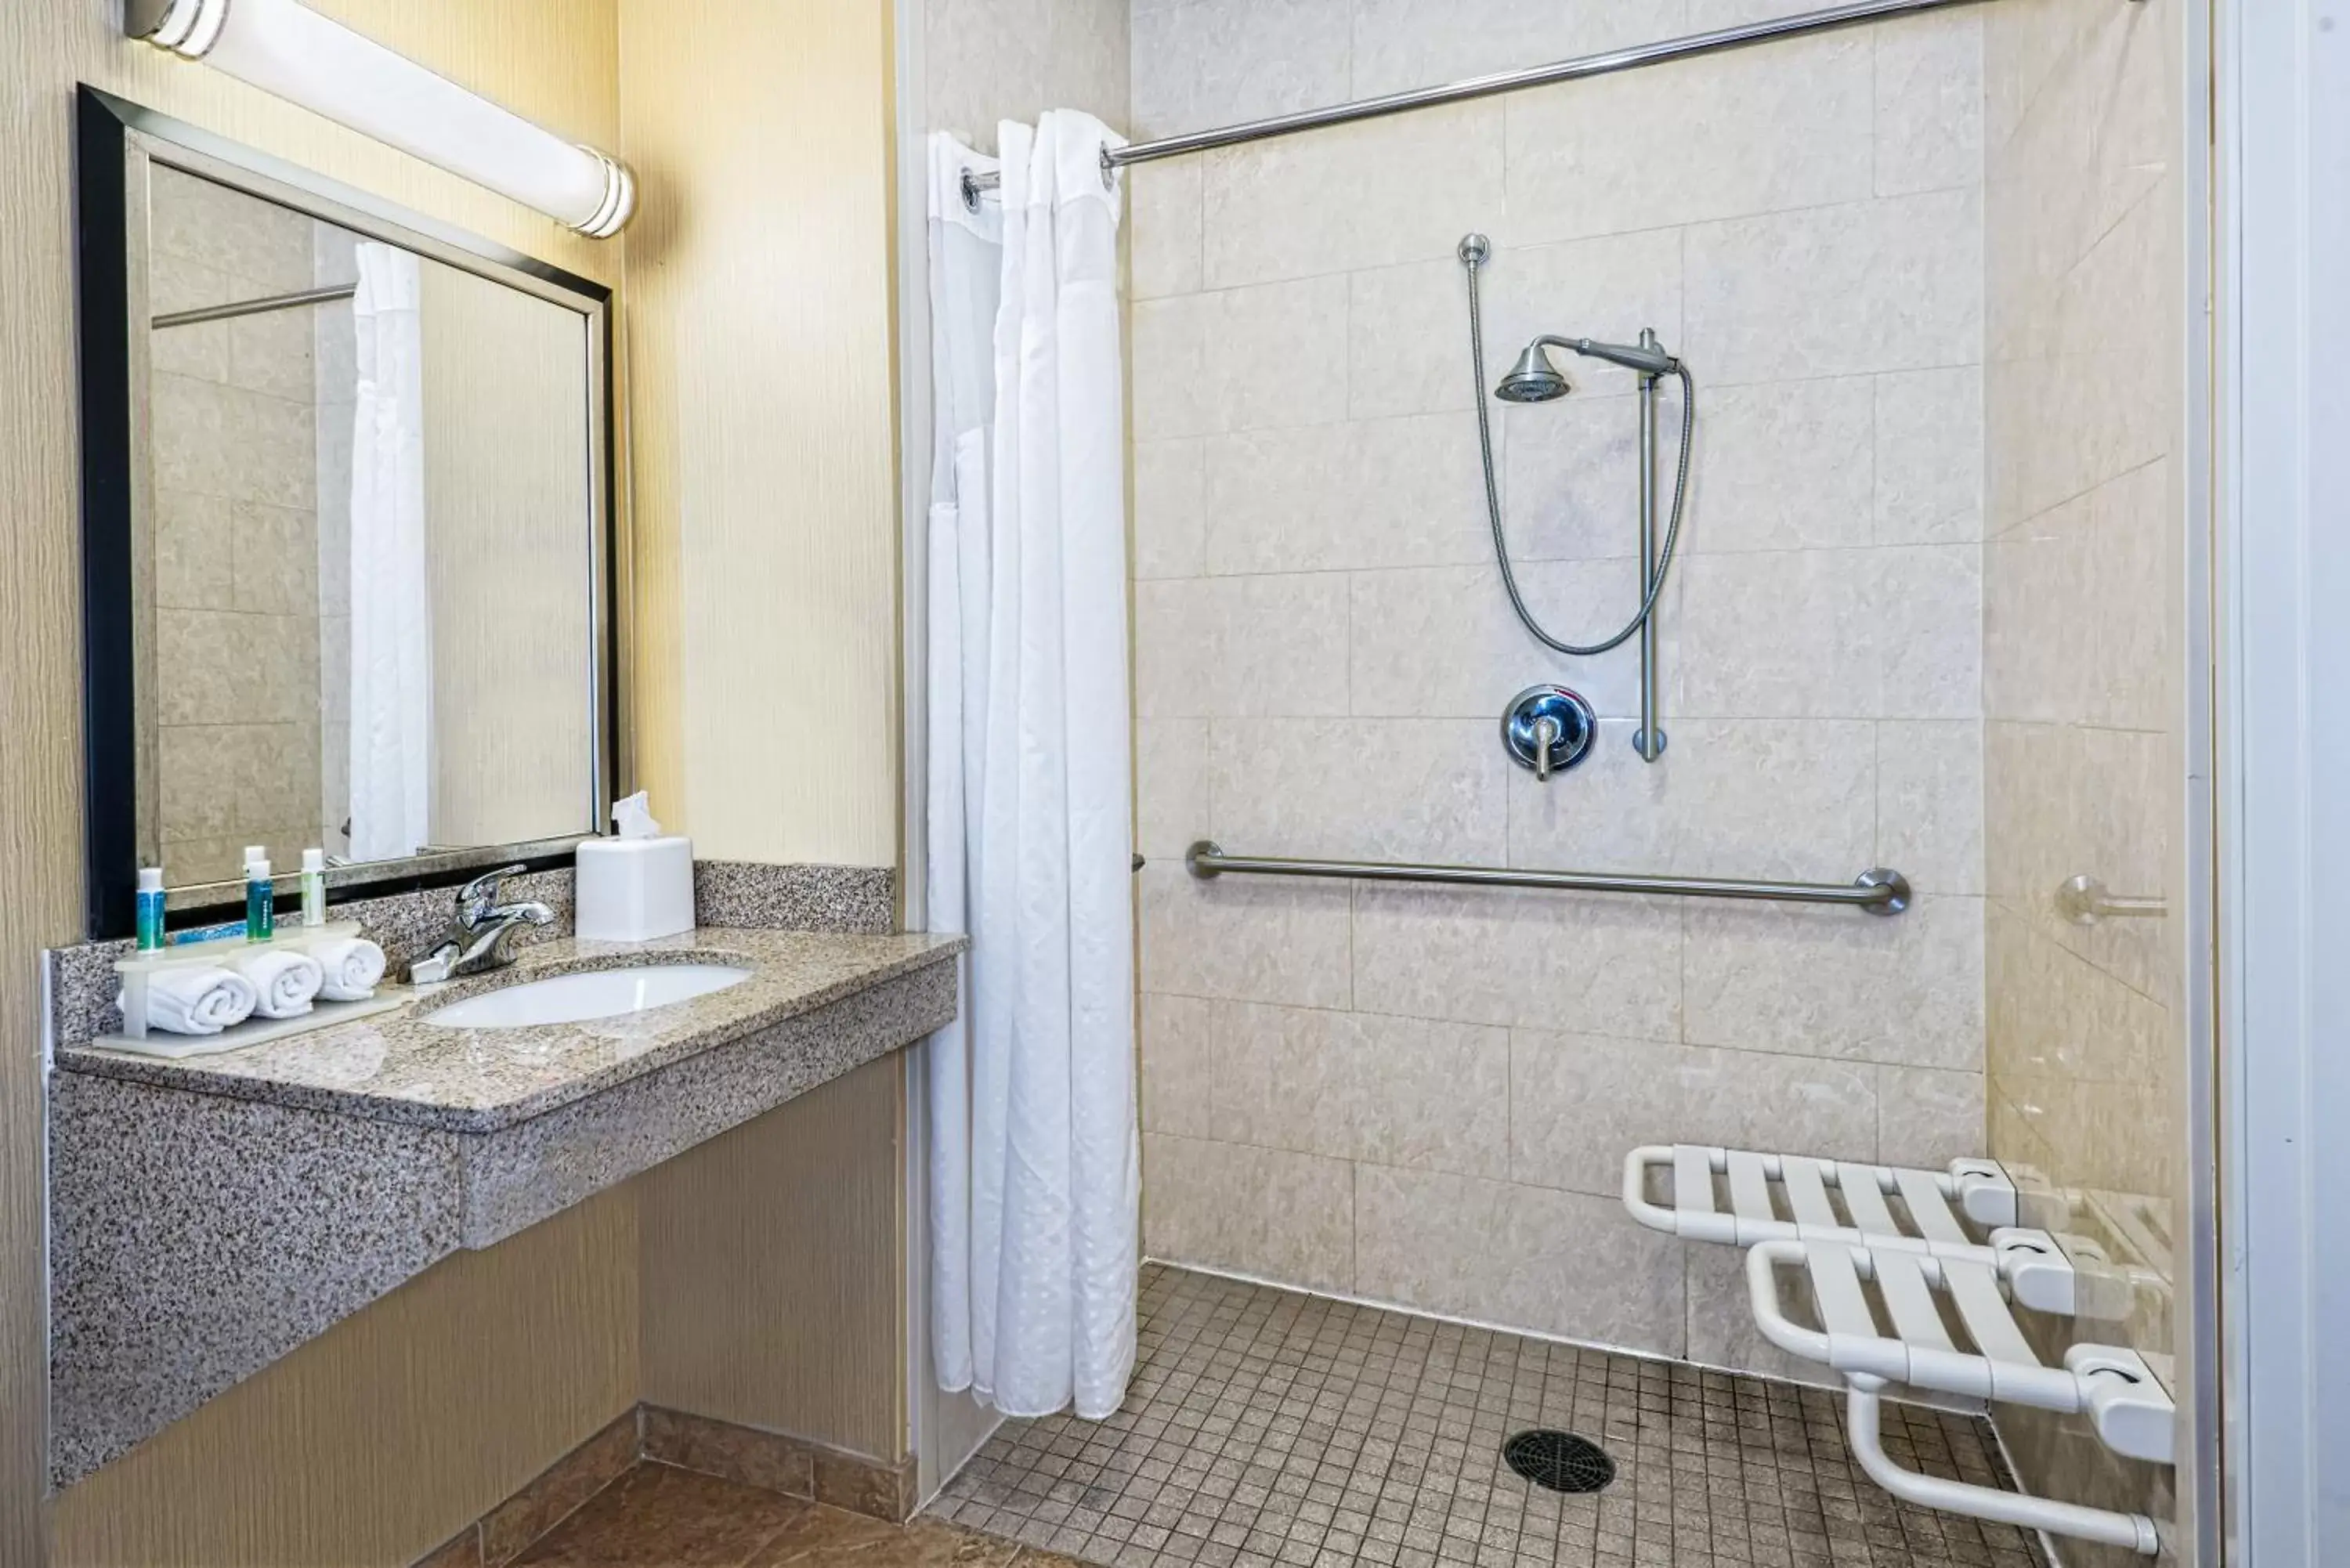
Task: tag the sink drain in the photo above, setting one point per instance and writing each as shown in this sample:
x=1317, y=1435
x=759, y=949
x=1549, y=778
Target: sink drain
x=1559, y=1461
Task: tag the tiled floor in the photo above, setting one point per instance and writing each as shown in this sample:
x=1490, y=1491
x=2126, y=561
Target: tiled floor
x=658, y=1517
x=1269, y=1428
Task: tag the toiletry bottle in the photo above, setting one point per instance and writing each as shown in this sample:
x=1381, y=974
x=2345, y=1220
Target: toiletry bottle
x=151, y=907
x=260, y=902
x=314, y=886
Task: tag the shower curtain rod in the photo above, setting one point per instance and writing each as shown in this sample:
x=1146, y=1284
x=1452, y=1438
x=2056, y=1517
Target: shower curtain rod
x=1599, y=65
x=257, y=306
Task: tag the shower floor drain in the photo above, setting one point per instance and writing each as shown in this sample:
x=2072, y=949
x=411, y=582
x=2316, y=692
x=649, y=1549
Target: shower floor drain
x=1559, y=1461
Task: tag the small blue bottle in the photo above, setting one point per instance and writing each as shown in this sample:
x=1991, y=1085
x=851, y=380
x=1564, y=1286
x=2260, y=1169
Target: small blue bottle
x=151, y=907
x=260, y=902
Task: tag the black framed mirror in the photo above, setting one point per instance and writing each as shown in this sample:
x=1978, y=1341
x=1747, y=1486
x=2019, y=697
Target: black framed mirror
x=348, y=551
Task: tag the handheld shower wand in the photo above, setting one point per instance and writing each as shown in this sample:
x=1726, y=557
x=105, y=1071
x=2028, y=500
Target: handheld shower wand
x=1535, y=378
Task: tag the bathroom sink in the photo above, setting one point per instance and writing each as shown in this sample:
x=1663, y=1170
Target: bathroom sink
x=598, y=993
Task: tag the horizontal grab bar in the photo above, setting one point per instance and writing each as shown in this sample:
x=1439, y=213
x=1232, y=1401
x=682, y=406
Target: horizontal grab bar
x=1877, y=890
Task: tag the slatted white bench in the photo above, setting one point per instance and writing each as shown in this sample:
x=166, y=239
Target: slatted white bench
x=1921, y=1237
x=1788, y=1197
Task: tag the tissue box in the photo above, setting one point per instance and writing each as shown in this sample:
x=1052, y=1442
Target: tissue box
x=633, y=889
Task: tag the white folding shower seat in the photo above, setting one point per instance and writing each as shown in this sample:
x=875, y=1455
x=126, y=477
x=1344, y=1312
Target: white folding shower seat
x=1922, y=1239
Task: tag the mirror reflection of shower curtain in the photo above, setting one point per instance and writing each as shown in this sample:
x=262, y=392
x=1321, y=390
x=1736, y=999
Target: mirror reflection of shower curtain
x=391, y=631
x=1034, y=1178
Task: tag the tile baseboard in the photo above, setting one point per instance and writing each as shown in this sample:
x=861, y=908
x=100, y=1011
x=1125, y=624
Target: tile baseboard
x=777, y=1462
x=771, y=1461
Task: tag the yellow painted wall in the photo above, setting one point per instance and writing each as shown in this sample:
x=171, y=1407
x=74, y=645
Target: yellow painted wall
x=344, y=1441
x=759, y=356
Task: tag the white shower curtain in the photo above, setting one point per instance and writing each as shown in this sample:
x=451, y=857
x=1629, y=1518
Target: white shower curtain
x=391, y=631
x=1035, y=1179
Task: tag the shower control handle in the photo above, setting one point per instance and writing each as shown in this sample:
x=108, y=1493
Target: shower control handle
x=1548, y=729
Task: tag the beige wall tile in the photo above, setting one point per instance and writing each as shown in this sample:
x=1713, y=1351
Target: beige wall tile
x=1202, y=63
x=1235, y=359
x=1905, y=989
x=1263, y=940
x=1401, y=44
x=1928, y=1117
x=1787, y=126
x=1806, y=634
x=1168, y=372
x=220, y=779
x=1441, y=642
x=1786, y=467
x=195, y=551
x=277, y=557
x=1404, y=1092
x=1170, y=787
x=1929, y=455
x=1274, y=352
x=1369, y=194
x=1579, y=1103
x=1407, y=340
x=1930, y=802
x=265, y=246
x=1892, y=285
x=1555, y=1262
x=1732, y=797
x=1527, y=959
x=1571, y=474
x=1163, y=229
x=1263, y=1213
x=1359, y=789
x=1170, y=518
x=1284, y=1077
x=1177, y=1066
x=221, y=669
x=1376, y=492
x=1230, y=646
x=272, y=353
x=1431, y=1096
x=1928, y=92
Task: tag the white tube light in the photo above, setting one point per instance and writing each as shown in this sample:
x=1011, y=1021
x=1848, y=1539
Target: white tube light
x=291, y=51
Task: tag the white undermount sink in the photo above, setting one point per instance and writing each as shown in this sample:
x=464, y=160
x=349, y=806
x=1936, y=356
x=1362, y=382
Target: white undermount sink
x=597, y=993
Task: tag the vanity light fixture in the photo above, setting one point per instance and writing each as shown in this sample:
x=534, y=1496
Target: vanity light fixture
x=287, y=49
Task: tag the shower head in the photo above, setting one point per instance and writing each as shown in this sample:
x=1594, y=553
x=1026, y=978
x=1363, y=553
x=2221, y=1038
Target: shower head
x=1532, y=379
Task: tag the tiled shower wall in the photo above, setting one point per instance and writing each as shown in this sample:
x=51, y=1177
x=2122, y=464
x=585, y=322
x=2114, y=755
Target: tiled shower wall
x=2084, y=597
x=1424, y=1096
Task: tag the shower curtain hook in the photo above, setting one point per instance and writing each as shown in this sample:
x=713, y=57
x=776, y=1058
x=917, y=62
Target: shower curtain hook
x=1109, y=170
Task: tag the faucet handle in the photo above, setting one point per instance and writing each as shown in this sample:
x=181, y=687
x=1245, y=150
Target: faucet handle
x=478, y=897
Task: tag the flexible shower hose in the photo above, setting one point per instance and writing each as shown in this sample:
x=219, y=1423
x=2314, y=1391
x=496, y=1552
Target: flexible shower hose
x=1493, y=496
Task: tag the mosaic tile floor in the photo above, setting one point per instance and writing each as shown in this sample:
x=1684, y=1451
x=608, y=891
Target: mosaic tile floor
x=1268, y=1428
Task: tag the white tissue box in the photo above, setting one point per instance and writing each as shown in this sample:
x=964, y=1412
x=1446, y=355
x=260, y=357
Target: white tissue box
x=633, y=889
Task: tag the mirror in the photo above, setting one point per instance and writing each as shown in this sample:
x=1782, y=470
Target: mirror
x=362, y=520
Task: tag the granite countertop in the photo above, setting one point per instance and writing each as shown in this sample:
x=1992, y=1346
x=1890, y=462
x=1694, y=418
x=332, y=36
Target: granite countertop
x=394, y=1067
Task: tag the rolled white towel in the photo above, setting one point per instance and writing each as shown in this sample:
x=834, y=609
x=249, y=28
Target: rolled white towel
x=196, y=999
x=285, y=979
x=353, y=966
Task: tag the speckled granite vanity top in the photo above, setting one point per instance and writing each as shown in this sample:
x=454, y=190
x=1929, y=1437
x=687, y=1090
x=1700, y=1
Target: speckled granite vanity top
x=395, y=1068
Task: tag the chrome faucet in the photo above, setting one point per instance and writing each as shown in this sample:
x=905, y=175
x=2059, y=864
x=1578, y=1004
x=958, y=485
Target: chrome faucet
x=477, y=938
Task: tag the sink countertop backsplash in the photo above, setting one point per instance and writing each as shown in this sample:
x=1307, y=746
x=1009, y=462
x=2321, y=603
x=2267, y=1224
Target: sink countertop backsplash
x=730, y=893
